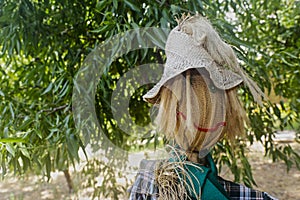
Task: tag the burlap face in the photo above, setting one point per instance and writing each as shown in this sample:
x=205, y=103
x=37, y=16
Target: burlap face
x=200, y=111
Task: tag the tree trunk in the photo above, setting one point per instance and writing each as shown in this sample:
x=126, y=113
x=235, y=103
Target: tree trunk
x=69, y=180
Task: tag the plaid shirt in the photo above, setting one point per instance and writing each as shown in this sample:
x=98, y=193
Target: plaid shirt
x=145, y=188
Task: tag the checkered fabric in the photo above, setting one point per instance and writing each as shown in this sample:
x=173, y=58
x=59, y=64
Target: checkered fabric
x=240, y=192
x=144, y=187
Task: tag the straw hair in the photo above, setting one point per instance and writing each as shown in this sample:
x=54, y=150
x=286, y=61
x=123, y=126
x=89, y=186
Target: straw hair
x=236, y=116
x=172, y=178
x=169, y=185
x=190, y=94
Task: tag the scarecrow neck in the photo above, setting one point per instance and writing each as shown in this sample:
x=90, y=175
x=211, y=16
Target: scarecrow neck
x=199, y=181
x=193, y=156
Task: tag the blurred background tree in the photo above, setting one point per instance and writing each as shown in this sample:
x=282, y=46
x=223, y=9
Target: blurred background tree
x=44, y=43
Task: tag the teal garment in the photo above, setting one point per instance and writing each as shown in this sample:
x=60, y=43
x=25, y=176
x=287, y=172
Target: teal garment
x=203, y=180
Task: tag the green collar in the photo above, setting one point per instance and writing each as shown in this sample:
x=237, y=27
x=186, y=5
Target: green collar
x=201, y=182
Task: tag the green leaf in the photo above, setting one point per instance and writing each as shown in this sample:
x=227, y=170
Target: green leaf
x=288, y=63
x=73, y=146
x=101, y=5
x=157, y=38
x=25, y=152
x=47, y=89
x=25, y=124
x=132, y=6
x=115, y=3
x=10, y=149
x=277, y=112
x=12, y=140
x=18, y=47
x=103, y=28
x=11, y=110
x=290, y=54
x=57, y=86
x=5, y=132
x=64, y=90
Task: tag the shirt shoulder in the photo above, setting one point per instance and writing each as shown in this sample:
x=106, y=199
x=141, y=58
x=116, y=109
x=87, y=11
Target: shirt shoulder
x=240, y=192
x=145, y=187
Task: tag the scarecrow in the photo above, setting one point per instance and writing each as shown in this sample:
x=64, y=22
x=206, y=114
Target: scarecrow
x=198, y=105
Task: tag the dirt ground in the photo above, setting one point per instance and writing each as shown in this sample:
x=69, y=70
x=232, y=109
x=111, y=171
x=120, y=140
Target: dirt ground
x=273, y=178
x=270, y=177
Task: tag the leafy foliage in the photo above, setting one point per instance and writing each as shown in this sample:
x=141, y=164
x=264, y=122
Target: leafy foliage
x=271, y=28
x=44, y=43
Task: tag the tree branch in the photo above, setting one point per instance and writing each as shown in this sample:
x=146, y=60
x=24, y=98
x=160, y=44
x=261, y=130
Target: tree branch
x=52, y=110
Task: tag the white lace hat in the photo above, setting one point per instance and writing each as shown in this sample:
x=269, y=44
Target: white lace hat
x=195, y=44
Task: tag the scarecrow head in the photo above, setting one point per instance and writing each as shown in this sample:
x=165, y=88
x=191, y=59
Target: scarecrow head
x=197, y=94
